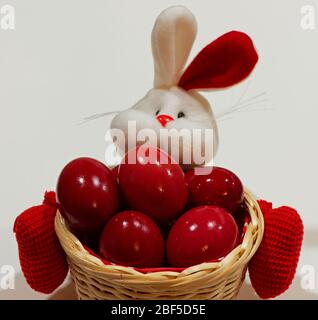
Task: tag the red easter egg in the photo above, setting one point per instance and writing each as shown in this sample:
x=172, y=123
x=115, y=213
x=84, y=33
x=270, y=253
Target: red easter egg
x=87, y=194
x=218, y=187
x=202, y=234
x=131, y=238
x=114, y=172
x=153, y=183
x=122, y=202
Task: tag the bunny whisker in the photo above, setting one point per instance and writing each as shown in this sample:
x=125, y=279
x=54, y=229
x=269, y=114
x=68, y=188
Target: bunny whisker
x=249, y=99
x=251, y=102
x=254, y=110
x=225, y=119
x=243, y=94
x=254, y=105
x=249, y=107
x=242, y=110
x=100, y=115
x=97, y=116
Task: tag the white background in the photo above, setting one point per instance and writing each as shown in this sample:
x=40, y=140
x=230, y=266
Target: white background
x=69, y=59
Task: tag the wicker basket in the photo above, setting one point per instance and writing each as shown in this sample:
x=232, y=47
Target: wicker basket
x=216, y=280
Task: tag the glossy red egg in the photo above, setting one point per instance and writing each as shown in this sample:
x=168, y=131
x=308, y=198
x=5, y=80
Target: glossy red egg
x=122, y=202
x=131, y=238
x=87, y=194
x=153, y=183
x=202, y=234
x=219, y=187
x=114, y=172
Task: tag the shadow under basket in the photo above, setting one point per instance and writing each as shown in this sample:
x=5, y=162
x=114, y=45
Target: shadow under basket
x=207, y=281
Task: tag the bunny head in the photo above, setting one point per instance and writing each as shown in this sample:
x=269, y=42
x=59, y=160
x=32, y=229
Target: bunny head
x=174, y=103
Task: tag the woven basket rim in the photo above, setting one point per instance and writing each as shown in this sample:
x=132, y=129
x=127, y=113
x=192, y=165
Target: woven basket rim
x=239, y=256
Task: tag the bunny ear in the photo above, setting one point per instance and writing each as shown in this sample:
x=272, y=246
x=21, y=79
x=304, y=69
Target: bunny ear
x=172, y=38
x=223, y=63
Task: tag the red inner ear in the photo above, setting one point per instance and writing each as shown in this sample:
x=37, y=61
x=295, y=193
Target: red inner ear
x=223, y=63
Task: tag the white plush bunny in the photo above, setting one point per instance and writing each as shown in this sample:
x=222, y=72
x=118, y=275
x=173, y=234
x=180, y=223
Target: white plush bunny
x=174, y=102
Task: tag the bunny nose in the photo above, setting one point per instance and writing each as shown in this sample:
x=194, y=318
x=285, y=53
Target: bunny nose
x=164, y=119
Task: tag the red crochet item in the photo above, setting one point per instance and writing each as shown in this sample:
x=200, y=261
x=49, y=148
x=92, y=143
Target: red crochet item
x=271, y=270
x=223, y=63
x=274, y=265
x=42, y=259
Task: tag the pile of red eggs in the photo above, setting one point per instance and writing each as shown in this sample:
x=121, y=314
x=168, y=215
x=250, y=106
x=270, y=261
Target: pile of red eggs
x=148, y=212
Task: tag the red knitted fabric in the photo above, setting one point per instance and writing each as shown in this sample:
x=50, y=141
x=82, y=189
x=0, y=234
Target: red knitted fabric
x=42, y=259
x=223, y=63
x=273, y=267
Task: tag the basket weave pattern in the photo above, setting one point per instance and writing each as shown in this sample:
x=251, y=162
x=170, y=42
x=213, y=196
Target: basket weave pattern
x=207, y=281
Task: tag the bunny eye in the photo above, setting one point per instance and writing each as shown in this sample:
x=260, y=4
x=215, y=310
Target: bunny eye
x=181, y=115
x=157, y=112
